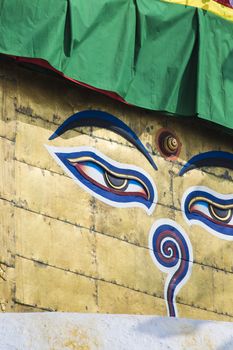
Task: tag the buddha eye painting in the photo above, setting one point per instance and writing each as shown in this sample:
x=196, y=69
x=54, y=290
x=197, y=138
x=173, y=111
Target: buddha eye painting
x=116, y=174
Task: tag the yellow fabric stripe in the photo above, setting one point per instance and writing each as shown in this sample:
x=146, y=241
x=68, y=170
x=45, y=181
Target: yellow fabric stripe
x=208, y=5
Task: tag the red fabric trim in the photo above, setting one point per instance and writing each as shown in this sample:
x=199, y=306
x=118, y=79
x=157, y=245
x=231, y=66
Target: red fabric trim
x=43, y=63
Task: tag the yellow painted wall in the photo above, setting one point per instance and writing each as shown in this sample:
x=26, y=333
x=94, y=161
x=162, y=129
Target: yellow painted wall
x=61, y=249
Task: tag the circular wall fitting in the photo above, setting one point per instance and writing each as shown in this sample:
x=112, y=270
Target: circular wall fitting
x=168, y=144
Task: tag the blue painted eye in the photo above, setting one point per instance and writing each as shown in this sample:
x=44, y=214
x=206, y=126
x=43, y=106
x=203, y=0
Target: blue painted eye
x=116, y=184
x=212, y=210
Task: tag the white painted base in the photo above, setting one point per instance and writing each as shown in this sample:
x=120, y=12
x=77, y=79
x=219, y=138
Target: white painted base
x=68, y=331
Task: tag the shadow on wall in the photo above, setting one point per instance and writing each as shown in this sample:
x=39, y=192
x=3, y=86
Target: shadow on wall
x=227, y=346
x=169, y=327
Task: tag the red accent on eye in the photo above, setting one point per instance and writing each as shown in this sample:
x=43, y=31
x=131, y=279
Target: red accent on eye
x=195, y=211
x=112, y=190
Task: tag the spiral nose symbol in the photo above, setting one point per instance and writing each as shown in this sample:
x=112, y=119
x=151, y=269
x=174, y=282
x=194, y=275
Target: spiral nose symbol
x=171, y=252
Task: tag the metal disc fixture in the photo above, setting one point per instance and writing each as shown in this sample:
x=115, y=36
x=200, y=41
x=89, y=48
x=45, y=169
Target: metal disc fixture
x=168, y=144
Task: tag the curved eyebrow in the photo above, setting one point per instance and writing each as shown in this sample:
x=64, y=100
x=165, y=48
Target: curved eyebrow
x=210, y=159
x=103, y=120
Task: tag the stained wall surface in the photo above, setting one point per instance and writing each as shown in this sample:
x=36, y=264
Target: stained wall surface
x=63, y=248
x=63, y=331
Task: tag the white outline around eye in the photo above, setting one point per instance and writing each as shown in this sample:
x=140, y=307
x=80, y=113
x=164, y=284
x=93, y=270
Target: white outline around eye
x=191, y=222
x=52, y=150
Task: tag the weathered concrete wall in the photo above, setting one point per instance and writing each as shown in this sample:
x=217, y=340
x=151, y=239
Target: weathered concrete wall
x=61, y=248
x=62, y=331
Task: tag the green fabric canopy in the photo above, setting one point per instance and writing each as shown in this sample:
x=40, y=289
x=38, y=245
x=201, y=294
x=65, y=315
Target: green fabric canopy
x=156, y=55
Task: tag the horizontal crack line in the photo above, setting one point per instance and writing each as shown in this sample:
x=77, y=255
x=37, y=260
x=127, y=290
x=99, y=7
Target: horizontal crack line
x=106, y=234
x=16, y=301
x=126, y=287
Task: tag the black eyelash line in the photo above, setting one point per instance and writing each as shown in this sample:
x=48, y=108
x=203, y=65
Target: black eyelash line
x=130, y=177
